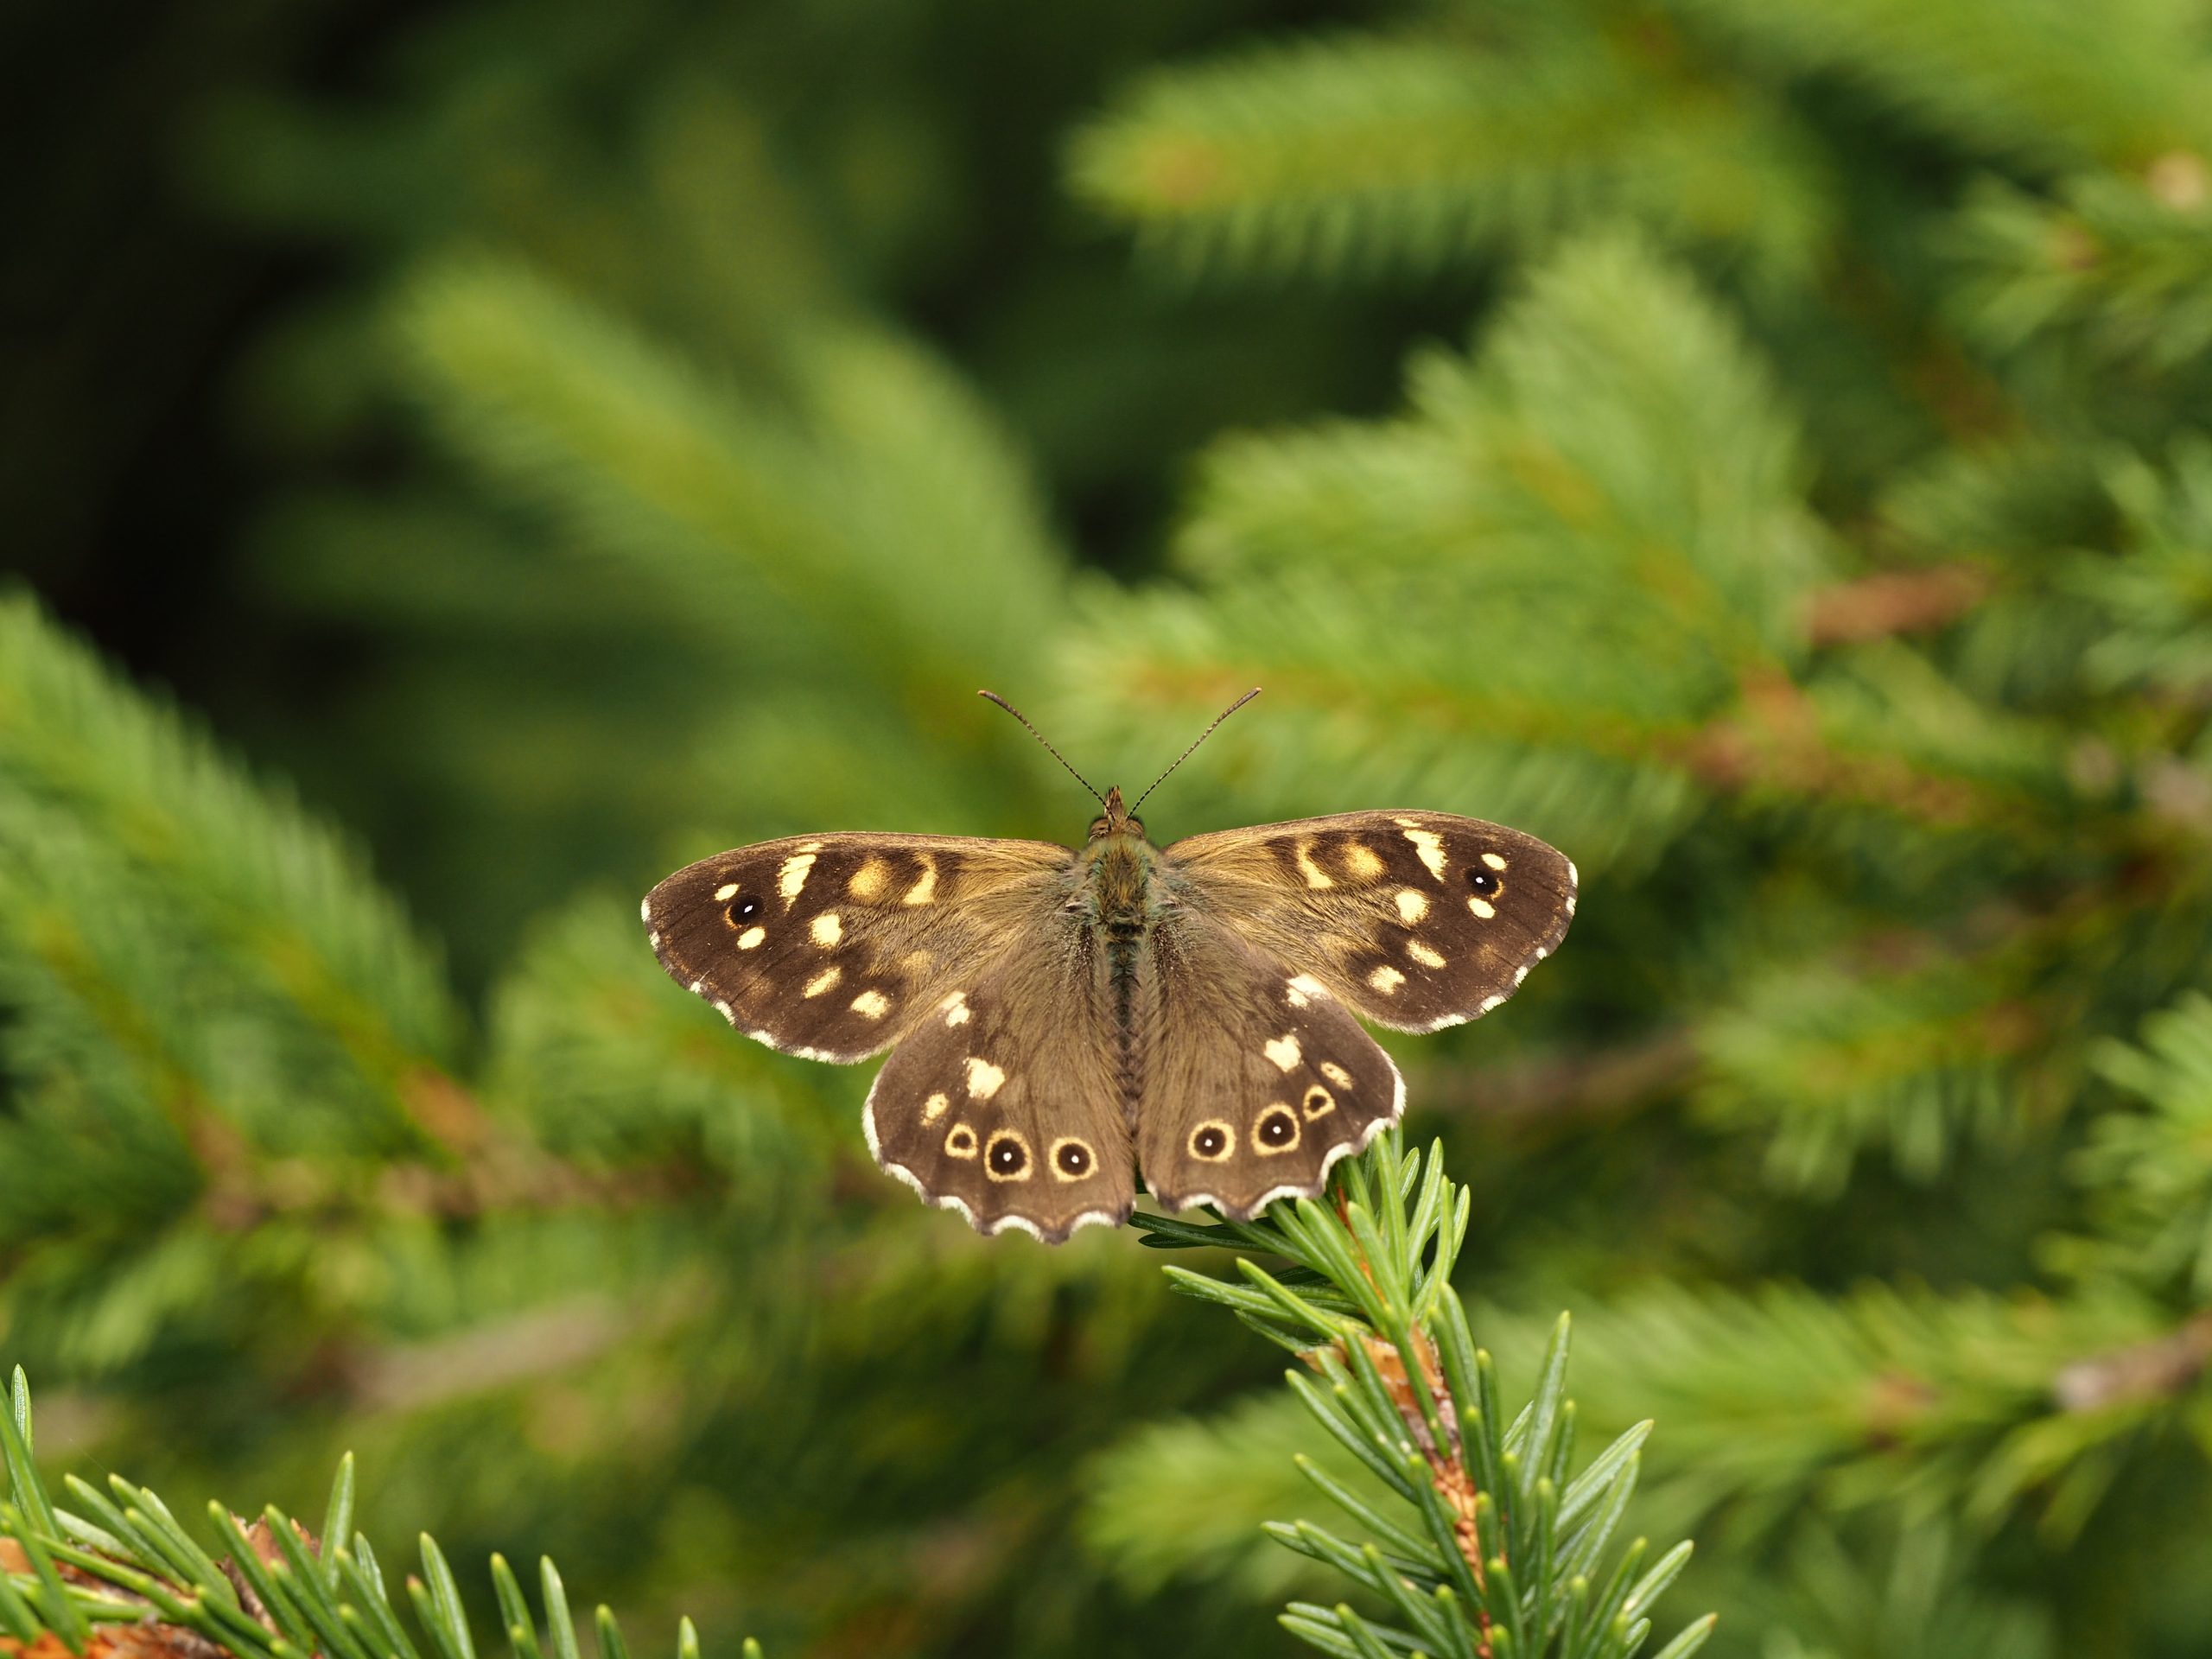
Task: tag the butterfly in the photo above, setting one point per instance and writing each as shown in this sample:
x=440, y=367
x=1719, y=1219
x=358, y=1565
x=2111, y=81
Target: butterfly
x=1058, y=1021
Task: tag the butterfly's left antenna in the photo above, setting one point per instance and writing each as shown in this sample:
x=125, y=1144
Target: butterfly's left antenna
x=1194, y=749
x=1039, y=736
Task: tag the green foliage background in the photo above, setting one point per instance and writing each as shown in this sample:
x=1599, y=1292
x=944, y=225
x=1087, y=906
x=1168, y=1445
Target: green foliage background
x=1761, y=447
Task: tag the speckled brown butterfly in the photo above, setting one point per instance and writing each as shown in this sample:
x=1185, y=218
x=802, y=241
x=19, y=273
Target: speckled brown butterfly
x=1054, y=1018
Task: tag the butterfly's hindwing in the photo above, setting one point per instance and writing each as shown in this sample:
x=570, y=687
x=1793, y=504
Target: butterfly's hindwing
x=1003, y=1102
x=832, y=946
x=1417, y=919
x=1254, y=1078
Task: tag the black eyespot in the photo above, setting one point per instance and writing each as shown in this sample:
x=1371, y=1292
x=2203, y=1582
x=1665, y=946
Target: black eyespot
x=1074, y=1159
x=1010, y=1157
x=1482, y=880
x=1209, y=1142
x=1277, y=1129
x=742, y=911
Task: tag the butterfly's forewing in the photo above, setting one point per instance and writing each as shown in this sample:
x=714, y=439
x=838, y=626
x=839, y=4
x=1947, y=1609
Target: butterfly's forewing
x=1005, y=1102
x=833, y=946
x=1254, y=1079
x=1417, y=919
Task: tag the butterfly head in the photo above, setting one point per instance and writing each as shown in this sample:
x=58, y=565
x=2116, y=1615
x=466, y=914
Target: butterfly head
x=1117, y=819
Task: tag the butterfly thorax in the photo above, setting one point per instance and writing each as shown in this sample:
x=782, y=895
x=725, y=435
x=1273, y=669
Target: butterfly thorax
x=1116, y=880
x=1115, y=872
x=1118, y=884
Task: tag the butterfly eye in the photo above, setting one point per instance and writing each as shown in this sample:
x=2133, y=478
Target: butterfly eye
x=1482, y=880
x=743, y=911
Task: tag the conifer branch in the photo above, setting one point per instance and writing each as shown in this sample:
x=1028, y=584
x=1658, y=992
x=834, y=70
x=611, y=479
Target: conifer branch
x=120, y=1577
x=869, y=498
x=2039, y=81
x=106, y=797
x=1492, y=1547
x=1349, y=157
x=2118, y=262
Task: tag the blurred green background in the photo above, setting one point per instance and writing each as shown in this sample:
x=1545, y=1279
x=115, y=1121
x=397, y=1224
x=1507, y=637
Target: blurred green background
x=1759, y=445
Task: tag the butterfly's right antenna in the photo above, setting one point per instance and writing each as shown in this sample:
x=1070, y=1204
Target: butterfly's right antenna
x=1039, y=736
x=1194, y=749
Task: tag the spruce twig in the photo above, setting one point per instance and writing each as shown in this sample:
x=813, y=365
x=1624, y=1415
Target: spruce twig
x=136, y=1585
x=1494, y=1554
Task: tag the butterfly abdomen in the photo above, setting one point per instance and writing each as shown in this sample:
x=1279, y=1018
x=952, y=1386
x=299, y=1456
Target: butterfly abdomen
x=1117, y=879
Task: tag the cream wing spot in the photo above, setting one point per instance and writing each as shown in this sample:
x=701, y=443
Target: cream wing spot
x=924, y=890
x=1483, y=907
x=1361, y=861
x=956, y=1011
x=725, y=893
x=1412, y=905
x=1336, y=1074
x=750, y=939
x=934, y=1107
x=791, y=876
x=1425, y=954
x=1497, y=863
x=1303, y=989
x=867, y=882
x=984, y=1079
x=644, y=910
x=827, y=929
x=1430, y=846
x=872, y=1005
x=826, y=980
x=1283, y=1050
x=1386, y=979
x=1316, y=877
